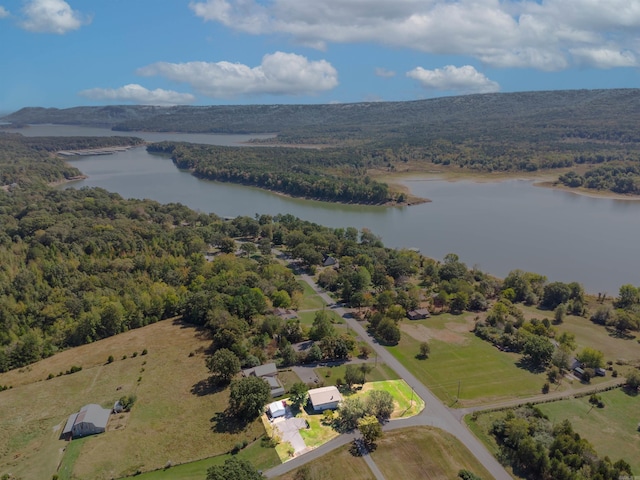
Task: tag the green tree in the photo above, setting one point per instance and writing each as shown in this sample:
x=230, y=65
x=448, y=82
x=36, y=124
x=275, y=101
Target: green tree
x=370, y=429
x=350, y=411
x=559, y=313
x=321, y=327
x=633, y=380
x=554, y=294
x=627, y=296
x=298, y=393
x=591, y=357
x=538, y=350
x=234, y=469
x=380, y=404
x=223, y=365
x=388, y=331
x=353, y=375
x=288, y=355
x=248, y=397
x=425, y=350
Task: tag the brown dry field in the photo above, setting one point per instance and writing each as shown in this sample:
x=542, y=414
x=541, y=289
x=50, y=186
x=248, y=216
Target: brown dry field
x=167, y=423
x=424, y=452
x=335, y=465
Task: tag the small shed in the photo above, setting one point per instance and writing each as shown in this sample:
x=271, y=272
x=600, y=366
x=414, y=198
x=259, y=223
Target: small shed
x=324, y=398
x=91, y=419
x=329, y=261
x=277, y=409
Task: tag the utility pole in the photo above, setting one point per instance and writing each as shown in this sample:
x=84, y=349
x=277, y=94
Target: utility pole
x=458, y=396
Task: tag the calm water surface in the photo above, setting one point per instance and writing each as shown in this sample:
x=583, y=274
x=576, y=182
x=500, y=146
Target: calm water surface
x=497, y=226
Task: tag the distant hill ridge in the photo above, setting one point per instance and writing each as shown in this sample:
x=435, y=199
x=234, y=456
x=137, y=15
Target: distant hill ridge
x=469, y=115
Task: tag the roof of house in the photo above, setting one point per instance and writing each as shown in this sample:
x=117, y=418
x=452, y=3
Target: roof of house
x=320, y=396
x=273, y=382
x=419, y=311
x=261, y=370
x=94, y=414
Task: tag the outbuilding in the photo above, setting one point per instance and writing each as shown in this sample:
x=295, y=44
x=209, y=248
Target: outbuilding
x=277, y=409
x=324, y=398
x=91, y=419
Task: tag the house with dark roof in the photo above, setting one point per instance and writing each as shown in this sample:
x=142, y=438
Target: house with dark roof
x=90, y=420
x=418, y=314
x=285, y=313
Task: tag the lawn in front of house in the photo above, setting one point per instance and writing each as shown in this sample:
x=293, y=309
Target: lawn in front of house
x=310, y=299
x=307, y=317
x=407, y=402
x=482, y=373
x=380, y=371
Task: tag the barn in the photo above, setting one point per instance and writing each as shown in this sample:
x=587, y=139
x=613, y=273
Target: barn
x=91, y=419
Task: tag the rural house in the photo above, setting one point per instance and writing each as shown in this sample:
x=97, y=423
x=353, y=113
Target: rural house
x=329, y=261
x=91, y=419
x=324, y=398
x=418, y=314
x=269, y=373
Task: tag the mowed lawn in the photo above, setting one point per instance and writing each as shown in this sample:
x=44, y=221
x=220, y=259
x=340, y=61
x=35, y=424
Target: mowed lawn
x=612, y=430
x=483, y=373
x=424, y=453
x=169, y=422
x=338, y=464
x=310, y=299
x=379, y=371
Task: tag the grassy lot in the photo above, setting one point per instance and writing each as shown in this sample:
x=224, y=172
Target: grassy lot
x=261, y=458
x=425, y=453
x=458, y=357
x=407, y=403
x=310, y=299
x=337, y=464
x=288, y=378
x=306, y=318
x=170, y=420
x=612, y=430
x=381, y=371
x=71, y=454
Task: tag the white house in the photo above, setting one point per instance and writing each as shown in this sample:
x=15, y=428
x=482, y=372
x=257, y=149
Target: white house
x=324, y=398
x=268, y=372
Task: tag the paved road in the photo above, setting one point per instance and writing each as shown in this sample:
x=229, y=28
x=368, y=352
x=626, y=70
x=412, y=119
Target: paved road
x=435, y=412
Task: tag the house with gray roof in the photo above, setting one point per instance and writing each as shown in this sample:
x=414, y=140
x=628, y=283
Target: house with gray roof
x=91, y=419
x=269, y=373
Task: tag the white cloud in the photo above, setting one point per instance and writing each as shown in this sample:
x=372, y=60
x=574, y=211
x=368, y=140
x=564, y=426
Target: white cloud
x=543, y=34
x=465, y=79
x=138, y=94
x=604, y=57
x=52, y=16
x=384, y=73
x=4, y=13
x=279, y=74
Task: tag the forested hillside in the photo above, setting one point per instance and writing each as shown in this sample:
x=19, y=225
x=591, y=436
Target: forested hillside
x=338, y=175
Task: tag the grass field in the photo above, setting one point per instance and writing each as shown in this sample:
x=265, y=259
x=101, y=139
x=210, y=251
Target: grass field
x=310, y=299
x=407, y=403
x=612, y=430
x=306, y=318
x=381, y=371
x=335, y=465
x=261, y=458
x=484, y=374
x=169, y=422
x=425, y=453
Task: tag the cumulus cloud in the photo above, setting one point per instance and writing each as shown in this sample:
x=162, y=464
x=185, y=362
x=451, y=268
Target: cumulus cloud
x=4, y=13
x=278, y=74
x=52, y=16
x=465, y=79
x=384, y=73
x=548, y=34
x=138, y=94
x=604, y=57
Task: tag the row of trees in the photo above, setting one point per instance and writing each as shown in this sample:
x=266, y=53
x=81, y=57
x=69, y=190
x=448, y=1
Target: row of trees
x=620, y=178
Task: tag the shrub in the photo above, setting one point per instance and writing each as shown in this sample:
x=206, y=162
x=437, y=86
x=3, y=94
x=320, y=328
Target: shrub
x=144, y=352
x=545, y=388
x=135, y=354
x=51, y=375
x=110, y=359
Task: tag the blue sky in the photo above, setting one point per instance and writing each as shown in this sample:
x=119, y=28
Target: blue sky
x=57, y=53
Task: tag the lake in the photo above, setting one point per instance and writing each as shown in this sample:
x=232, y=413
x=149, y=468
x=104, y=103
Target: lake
x=497, y=226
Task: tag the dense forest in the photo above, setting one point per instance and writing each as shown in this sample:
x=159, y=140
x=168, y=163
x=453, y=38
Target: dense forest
x=338, y=175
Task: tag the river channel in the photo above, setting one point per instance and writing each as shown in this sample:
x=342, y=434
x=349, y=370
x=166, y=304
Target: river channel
x=497, y=226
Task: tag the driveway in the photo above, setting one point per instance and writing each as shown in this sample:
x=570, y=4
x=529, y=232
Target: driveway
x=289, y=427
